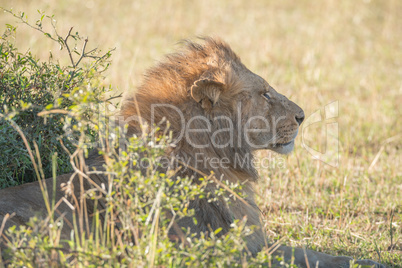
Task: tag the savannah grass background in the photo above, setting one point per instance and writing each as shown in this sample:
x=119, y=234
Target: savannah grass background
x=314, y=52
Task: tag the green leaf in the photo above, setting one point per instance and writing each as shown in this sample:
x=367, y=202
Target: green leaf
x=217, y=231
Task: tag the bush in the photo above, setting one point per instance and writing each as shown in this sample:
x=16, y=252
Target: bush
x=28, y=86
x=131, y=229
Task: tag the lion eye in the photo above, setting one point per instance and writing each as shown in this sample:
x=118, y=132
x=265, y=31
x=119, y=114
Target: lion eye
x=266, y=95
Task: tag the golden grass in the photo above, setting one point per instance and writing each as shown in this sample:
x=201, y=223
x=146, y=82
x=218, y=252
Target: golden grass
x=315, y=52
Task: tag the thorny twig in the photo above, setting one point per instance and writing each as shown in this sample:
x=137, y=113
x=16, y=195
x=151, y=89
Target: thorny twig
x=68, y=48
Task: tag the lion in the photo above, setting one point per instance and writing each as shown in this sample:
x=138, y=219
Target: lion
x=217, y=110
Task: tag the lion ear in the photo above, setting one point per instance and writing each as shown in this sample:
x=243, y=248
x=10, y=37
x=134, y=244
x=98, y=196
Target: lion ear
x=207, y=92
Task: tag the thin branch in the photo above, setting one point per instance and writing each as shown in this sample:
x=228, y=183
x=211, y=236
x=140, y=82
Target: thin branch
x=83, y=51
x=91, y=51
x=68, y=48
x=114, y=97
x=54, y=111
x=27, y=23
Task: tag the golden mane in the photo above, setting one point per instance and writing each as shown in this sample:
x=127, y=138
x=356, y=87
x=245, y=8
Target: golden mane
x=170, y=82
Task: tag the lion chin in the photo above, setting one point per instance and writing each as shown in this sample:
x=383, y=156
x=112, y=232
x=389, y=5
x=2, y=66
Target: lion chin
x=283, y=148
x=217, y=109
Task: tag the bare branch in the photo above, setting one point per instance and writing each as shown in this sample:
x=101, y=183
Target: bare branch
x=83, y=51
x=114, y=97
x=68, y=48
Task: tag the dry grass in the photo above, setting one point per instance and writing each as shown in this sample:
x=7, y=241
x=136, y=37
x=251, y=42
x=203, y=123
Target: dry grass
x=315, y=53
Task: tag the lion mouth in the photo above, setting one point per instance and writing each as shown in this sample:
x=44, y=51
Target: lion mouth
x=282, y=144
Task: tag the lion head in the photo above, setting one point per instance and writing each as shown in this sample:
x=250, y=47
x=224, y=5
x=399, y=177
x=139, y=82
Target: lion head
x=215, y=105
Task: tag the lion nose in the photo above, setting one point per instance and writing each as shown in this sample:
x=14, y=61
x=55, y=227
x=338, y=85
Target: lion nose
x=299, y=119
